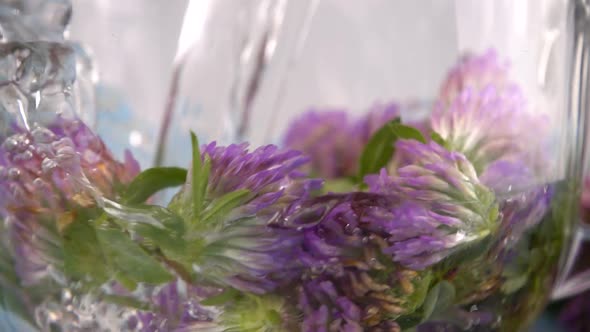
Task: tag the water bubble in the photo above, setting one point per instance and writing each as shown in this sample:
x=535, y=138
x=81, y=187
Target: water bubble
x=13, y=173
x=10, y=144
x=66, y=295
x=43, y=135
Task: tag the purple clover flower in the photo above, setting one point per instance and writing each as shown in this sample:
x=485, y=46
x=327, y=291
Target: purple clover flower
x=445, y=205
x=363, y=249
x=42, y=173
x=351, y=280
x=523, y=202
x=476, y=73
x=476, y=95
x=375, y=118
x=326, y=137
x=245, y=250
x=272, y=175
x=333, y=140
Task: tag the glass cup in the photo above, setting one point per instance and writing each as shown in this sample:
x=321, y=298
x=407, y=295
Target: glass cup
x=465, y=219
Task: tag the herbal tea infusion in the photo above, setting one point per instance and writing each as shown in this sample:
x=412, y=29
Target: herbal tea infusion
x=355, y=224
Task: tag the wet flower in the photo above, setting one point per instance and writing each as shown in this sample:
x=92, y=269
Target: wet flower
x=243, y=248
x=369, y=253
x=483, y=115
x=351, y=281
x=326, y=138
x=375, y=118
x=445, y=205
x=476, y=72
x=43, y=172
x=523, y=202
x=271, y=175
x=334, y=140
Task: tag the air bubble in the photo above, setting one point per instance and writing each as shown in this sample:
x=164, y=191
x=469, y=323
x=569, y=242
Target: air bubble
x=13, y=173
x=39, y=183
x=43, y=135
x=10, y=144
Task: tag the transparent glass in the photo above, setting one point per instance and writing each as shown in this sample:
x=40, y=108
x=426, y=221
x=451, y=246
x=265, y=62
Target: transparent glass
x=143, y=74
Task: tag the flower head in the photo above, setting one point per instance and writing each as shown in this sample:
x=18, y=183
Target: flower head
x=43, y=172
x=334, y=141
x=351, y=281
x=244, y=249
x=326, y=138
x=271, y=175
x=523, y=201
x=483, y=115
x=375, y=118
x=475, y=73
x=445, y=204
